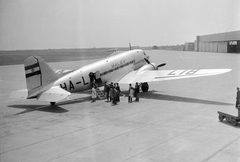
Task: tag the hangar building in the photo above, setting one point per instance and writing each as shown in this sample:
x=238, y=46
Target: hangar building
x=228, y=42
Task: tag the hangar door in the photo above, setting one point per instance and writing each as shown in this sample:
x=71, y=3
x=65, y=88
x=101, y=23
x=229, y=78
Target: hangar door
x=233, y=46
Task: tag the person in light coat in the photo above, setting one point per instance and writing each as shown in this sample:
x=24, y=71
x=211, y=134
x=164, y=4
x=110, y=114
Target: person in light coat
x=94, y=94
x=130, y=93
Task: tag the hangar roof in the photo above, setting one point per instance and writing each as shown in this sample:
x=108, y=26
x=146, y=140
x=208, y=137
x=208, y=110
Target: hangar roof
x=234, y=35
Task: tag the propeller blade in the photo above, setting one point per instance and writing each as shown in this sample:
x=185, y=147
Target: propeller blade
x=161, y=65
x=147, y=61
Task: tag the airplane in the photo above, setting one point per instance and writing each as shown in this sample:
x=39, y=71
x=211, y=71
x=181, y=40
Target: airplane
x=46, y=84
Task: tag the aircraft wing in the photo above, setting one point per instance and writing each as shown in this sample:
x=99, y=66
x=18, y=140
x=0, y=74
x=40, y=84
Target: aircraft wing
x=161, y=75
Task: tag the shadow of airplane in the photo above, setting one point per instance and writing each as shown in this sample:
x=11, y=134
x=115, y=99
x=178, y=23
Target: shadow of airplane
x=146, y=95
x=156, y=96
x=49, y=108
x=45, y=108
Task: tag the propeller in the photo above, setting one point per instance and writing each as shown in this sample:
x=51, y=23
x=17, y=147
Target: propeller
x=147, y=61
x=163, y=64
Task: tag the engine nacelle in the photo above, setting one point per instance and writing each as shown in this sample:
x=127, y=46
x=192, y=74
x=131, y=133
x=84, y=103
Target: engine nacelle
x=151, y=66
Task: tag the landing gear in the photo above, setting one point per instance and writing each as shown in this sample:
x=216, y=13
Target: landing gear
x=52, y=103
x=145, y=87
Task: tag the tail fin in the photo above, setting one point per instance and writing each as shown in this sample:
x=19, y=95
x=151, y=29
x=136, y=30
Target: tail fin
x=38, y=75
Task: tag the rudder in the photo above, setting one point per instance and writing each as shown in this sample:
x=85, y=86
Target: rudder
x=38, y=74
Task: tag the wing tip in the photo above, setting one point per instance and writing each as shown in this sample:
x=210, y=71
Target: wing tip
x=221, y=71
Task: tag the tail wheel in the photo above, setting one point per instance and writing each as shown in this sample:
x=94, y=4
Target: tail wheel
x=145, y=87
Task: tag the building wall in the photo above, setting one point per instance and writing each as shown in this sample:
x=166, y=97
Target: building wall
x=215, y=47
x=218, y=42
x=189, y=46
x=222, y=47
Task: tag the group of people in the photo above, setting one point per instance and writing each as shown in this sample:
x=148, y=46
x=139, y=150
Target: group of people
x=133, y=92
x=112, y=93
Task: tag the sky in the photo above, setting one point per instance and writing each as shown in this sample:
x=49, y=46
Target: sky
x=57, y=24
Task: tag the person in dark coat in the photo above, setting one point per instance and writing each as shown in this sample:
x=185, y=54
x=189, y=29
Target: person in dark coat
x=106, y=91
x=238, y=98
x=113, y=95
x=92, y=79
x=118, y=92
x=136, y=92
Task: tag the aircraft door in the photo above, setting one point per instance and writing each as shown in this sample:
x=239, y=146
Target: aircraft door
x=98, y=78
x=95, y=78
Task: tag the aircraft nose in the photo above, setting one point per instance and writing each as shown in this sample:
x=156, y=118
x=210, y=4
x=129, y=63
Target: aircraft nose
x=146, y=56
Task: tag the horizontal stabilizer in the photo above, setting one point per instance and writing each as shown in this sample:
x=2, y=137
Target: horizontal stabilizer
x=23, y=93
x=53, y=94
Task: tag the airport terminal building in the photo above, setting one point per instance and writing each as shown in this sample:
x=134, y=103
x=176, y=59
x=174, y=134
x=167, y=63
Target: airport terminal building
x=228, y=42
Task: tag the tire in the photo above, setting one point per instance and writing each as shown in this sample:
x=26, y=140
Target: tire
x=234, y=122
x=145, y=87
x=238, y=106
x=228, y=119
x=52, y=103
x=221, y=117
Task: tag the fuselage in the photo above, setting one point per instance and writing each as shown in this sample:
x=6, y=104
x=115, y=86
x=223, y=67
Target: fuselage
x=110, y=69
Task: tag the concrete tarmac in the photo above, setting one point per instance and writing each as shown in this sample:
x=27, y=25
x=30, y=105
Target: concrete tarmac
x=175, y=121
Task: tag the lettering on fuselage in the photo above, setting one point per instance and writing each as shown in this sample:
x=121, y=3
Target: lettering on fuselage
x=71, y=84
x=63, y=87
x=118, y=64
x=183, y=72
x=117, y=67
x=84, y=83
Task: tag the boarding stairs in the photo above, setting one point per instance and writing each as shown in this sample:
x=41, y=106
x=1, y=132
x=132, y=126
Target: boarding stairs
x=100, y=93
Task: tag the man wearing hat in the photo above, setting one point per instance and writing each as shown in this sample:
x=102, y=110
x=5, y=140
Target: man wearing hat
x=136, y=92
x=238, y=98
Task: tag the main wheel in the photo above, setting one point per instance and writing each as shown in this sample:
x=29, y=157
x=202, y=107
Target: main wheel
x=221, y=117
x=52, y=103
x=234, y=122
x=145, y=87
